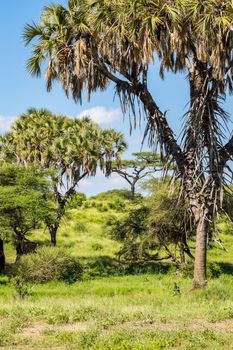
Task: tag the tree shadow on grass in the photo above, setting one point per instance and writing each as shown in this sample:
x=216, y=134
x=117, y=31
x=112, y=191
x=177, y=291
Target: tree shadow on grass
x=108, y=266
x=227, y=268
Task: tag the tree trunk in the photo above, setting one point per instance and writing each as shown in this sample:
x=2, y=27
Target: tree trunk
x=19, y=240
x=182, y=254
x=200, y=279
x=19, y=250
x=2, y=256
x=53, y=235
x=133, y=191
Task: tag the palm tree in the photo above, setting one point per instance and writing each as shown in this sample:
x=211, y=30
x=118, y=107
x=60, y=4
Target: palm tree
x=89, y=44
x=71, y=148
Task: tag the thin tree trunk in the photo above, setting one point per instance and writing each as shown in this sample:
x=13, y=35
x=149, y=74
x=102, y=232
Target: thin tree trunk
x=19, y=249
x=53, y=235
x=2, y=255
x=182, y=253
x=200, y=278
x=19, y=239
x=53, y=228
x=132, y=191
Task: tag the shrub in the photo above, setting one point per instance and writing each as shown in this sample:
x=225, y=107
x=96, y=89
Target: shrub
x=214, y=270
x=81, y=227
x=20, y=287
x=47, y=264
x=103, y=266
x=97, y=246
x=77, y=200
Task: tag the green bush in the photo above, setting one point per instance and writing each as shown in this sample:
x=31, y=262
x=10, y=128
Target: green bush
x=97, y=246
x=103, y=266
x=81, y=227
x=214, y=270
x=20, y=287
x=48, y=264
x=77, y=200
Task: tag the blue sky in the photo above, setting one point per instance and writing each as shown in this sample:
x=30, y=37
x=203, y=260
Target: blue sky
x=19, y=91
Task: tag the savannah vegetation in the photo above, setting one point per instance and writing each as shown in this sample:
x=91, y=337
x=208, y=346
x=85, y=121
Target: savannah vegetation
x=124, y=269
x=87, y=45
x=90, y=292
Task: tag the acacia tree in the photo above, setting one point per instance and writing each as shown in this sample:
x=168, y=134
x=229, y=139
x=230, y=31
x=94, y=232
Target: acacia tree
x=90, y=44
x=71, y=148
x=134, y=170
x=25, y=201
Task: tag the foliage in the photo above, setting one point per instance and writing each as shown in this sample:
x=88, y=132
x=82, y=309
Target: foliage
x=117, y=42
x=134, y=170
x=118, y=204
x=160, y=221
x=49, y=264
x=25, y=200
x=21, y=288
x=132, y=230
x=113, y=200
x=103, y=266
x=72, y=148
x=168, y=218
x=113, y=195
x=77, y=200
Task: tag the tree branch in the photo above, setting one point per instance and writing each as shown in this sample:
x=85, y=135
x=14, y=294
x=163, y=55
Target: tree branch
x=226, y=152
x=156, y=119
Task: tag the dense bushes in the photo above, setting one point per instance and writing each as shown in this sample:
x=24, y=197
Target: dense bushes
x=118, y=205
x=47, y=264
x=77, y=200
x=111, y=200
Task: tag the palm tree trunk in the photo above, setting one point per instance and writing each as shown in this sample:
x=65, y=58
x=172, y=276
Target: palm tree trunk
x=200, y=253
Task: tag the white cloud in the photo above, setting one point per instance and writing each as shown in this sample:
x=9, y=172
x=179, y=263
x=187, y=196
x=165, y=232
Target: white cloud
x=102, y=115
x=5, y=123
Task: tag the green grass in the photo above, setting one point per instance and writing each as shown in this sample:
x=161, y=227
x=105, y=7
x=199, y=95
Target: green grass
x=128, y=312
x=140, y=312
x=82, y=231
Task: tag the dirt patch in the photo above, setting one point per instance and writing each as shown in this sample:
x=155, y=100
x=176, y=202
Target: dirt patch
x=224, y=326
x=194, y=325
x=73, y=327
x=36, y=330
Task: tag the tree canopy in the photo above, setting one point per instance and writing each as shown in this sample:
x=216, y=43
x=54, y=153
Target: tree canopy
x=25, y=201
x=71, y=148
x=133, y=170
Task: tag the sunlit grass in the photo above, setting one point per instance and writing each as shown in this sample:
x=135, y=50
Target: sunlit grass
x=140, y=312
x=144, y=308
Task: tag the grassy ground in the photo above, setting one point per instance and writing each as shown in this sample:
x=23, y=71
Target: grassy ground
x=140, y=312
x=119, y=313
